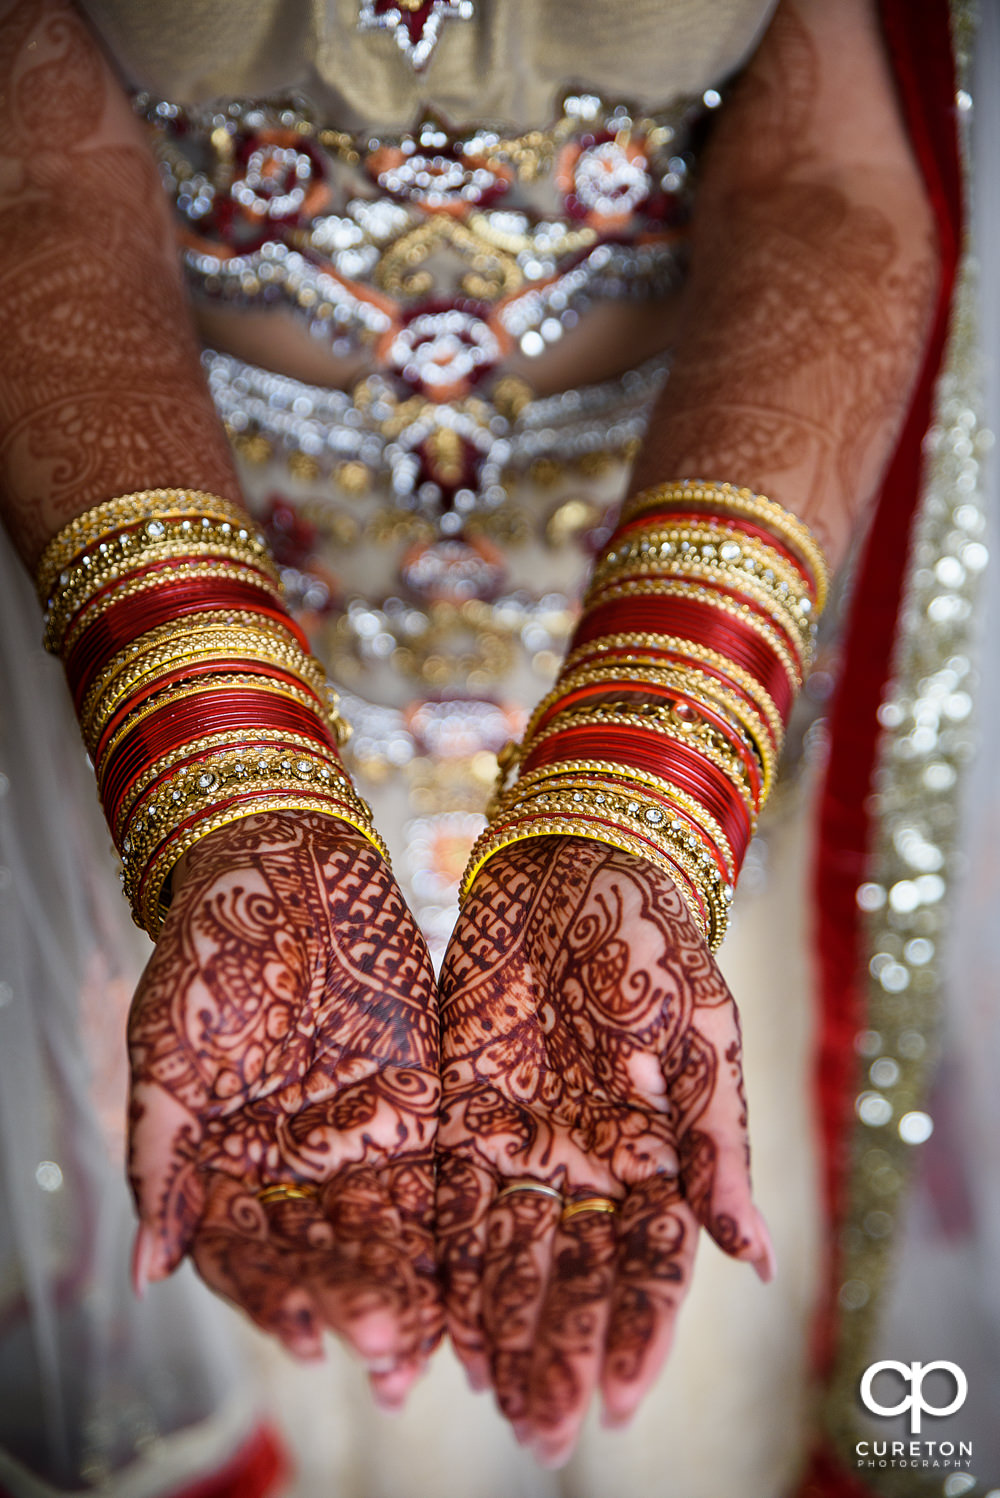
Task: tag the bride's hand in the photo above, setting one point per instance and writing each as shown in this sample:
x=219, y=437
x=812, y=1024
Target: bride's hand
x=285, y=1033
x=588, y=1043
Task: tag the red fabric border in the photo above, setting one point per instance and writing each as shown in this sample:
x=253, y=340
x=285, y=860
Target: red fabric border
x=254, y=1471
x=918, y=41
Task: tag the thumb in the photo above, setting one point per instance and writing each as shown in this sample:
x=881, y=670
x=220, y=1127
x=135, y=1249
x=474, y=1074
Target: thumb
x=169, y=1189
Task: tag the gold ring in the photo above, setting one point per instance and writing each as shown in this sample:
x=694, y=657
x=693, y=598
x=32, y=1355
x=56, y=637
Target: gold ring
x=589, y=1204
x=539, y=1187
x=300, y=1193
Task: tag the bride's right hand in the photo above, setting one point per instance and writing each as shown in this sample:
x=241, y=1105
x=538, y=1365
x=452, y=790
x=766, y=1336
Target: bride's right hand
x=285, y=1034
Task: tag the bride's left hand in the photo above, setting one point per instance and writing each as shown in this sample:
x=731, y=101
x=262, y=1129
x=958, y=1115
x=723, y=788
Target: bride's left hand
x=591, y=1046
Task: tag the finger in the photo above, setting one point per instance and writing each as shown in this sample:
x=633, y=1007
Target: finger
x=657, y=1239
x=245, y=1252
x=464, y=1194
x=519, y=1237
x=410, y=1188
x=169, y=1189
x=569, y=1344
x=713, y=1141
x=363, y=1281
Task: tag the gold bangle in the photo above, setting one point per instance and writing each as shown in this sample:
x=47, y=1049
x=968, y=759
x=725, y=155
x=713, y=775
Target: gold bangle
x=602, y=775
x=152, y=909
x=218, y=776
x=128, y=509
x=133, y=587
x=632, y=813
x=140, y=851
x=737, y=501
x=622, y=646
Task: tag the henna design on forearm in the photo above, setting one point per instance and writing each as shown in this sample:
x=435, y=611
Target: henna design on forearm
x=588, y=1042
x=812, y=278
x=101, y=390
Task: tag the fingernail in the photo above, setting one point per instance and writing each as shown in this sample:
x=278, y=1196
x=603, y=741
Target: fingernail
x=765, y=1262
x=522, y=1430
x=477, y=1379
x=147, y=1260
x=611, y=1420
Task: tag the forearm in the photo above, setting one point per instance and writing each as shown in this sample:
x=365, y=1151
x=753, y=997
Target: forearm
x=813, y=274
x=101, y=389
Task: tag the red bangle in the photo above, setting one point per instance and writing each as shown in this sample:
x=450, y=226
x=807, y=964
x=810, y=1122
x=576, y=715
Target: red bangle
x=177, y=724
x=194, y=672
x=133, y=617
x=732, y=594
x=702, y=625
x=174, y=566
x=732, y=732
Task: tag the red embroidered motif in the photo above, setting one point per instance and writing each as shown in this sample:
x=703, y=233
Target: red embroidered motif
x=415, y=23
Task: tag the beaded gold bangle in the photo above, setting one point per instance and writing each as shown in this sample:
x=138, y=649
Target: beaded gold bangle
x=83, y=581
x=95, y=525
x=728, y=554
x=606, y=776
x=194, y=789
x=733, y=500
x=233, y=739
x=793, y=667
x=692, y=878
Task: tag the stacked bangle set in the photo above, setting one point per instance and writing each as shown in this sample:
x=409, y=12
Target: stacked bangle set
x=198, y=699
x=662, y=733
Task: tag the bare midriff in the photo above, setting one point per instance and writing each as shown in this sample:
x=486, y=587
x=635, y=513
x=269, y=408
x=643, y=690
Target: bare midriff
x=610, y=338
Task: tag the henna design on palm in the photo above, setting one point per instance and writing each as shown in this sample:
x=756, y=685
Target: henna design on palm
x=589, y=1042
x=285, y=1032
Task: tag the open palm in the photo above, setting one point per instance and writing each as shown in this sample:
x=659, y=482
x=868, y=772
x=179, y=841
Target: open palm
x=285, y=1034
x=588, y=1043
